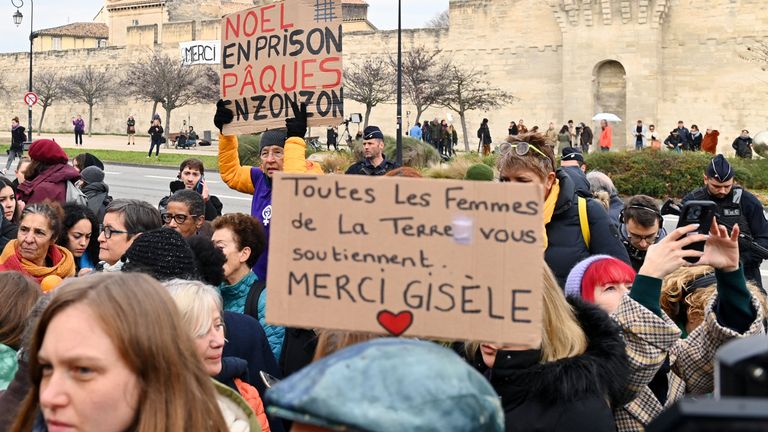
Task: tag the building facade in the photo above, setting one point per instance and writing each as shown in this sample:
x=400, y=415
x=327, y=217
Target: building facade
x=656, y=60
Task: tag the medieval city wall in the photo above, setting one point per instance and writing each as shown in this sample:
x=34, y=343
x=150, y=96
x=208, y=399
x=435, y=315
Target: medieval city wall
x=659, y=60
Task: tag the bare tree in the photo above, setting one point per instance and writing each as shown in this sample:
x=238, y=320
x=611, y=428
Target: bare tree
x=441, y=20
x=468, y=90
x=757, y=53
x=140, y=82
x=424, y=75
x=90, y=86
x=369, y=83
x=167, y=81
x=49, y=88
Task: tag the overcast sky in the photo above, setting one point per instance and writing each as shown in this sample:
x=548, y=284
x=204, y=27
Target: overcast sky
x=53, y=13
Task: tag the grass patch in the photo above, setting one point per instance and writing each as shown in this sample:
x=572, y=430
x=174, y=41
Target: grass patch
x=137, y=157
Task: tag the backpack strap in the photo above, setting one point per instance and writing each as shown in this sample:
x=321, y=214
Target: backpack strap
x=252, y=301
x=584, y=220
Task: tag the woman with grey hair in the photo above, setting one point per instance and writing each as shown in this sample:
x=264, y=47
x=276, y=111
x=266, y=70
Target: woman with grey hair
x=599, y=181
x=200, y=306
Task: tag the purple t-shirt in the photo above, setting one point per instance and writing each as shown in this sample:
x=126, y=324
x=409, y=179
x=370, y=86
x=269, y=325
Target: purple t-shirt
x=261, y=209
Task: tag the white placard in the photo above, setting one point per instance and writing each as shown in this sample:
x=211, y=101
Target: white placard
x=200, y=52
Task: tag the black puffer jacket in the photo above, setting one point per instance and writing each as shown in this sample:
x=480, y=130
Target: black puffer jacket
x=98, y=198
x=571, y=394
x=566, y=243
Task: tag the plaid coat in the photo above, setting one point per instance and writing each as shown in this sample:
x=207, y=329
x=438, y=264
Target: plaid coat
x=650, y=339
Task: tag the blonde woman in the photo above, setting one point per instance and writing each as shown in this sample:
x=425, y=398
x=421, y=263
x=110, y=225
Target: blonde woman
x=200, y=306
x=109, y=353
x=527, y=158
x=573, y=380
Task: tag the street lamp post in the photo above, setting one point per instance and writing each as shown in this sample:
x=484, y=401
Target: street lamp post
x=399, y=153
x=17, y=17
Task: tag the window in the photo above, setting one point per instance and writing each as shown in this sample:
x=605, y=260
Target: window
x=134, y=22
x=102, y=43
x=56, y=43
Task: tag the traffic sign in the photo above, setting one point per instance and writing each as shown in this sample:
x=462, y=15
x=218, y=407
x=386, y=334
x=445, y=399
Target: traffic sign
x=30, y=98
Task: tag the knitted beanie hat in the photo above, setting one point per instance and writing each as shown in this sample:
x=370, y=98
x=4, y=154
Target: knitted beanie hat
x=92, y=174
x=573, y=283
x=47, y=151
x=273, y=137
x=479, y=172
x=163, y=254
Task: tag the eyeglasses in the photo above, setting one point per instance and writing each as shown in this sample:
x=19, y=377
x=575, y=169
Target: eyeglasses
x=522, y=149
x=108, y=231
x=277, y=154
x=650, y=239
x=179, y=218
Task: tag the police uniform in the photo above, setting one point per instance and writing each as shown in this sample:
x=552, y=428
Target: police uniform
x=738, y=207
x=365, y=167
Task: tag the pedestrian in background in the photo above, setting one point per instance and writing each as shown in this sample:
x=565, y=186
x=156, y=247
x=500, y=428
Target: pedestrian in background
x=415, y=131
x=18, y=136
x=696, y=138
x=709, y=143
x=156, y=136
x=330, y=139
x=743, y=145
x=606, y=136
x=513, y=128
x=586, y=138
x=673, y=141
x=484, y=135
x=79, y=125
x=563, y=139
x=639, y=132
x=653, y=137
x=131, y=130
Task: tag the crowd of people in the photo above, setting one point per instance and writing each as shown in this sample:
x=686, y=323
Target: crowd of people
x=120, y=314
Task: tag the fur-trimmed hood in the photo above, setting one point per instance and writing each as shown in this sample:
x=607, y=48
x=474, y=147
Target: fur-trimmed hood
x=602, y=371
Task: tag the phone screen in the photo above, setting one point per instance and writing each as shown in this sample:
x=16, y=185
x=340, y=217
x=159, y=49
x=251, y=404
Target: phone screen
x=701, y=213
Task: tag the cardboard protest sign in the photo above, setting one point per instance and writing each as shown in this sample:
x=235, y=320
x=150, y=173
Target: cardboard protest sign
x=200, y=52
x=429, y=258
x=278, y=53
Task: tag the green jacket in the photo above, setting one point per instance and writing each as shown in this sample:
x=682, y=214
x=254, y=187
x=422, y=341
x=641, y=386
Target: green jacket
x=8, y=365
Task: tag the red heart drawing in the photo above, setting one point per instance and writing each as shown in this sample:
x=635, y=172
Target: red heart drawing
x=395, y=324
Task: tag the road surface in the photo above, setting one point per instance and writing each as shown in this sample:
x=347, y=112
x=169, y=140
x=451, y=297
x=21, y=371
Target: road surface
x=151, y=184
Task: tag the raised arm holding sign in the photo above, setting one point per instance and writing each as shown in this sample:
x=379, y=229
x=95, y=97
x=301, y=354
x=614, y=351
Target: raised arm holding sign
x=279, y=54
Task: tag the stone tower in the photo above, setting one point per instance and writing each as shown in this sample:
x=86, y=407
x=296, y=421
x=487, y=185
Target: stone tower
x=616, y=45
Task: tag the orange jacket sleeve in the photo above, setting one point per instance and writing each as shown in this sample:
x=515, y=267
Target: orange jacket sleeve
x=296, y=160
x=251, y=395
x=236, y=176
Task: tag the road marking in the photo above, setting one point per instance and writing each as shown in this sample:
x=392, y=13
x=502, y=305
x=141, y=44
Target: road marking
x=176, y=178
x=112, y=172
x=234, y=197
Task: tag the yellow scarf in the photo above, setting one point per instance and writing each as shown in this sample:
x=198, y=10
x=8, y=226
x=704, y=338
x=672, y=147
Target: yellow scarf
x=549, y=209
x=64, y=262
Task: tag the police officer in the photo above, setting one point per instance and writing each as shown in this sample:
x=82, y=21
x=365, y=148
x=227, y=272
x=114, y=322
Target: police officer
x=374, y=163
x=735, y=206
x=641, y=226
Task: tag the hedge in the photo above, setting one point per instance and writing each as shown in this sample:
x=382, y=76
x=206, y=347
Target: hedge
x=665, y=174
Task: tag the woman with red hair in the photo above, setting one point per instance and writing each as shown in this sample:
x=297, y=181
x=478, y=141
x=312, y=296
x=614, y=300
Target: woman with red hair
x=602, y=280
x=666, y=367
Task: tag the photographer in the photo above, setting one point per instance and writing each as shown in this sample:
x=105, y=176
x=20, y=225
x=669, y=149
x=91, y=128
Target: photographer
x=735, y=206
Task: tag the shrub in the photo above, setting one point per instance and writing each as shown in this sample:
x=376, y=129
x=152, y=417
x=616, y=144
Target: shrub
x=336, y=162
x=416, y=153
x=248, y=149
x=663, y=174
